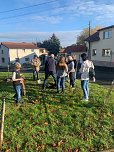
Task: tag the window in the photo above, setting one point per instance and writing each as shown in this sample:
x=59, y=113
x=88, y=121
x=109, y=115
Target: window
x=3, y=60
x=2, y=52
x=107, y=34
x=27, y=59
x=106, y=52
x=94, y=52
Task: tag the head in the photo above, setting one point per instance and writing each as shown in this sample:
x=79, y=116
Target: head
x=74, y=57
x=84, y=56
x=70, y=58
x=52, y=55
x=17, y=65
x=35, y=56
x=62, y=60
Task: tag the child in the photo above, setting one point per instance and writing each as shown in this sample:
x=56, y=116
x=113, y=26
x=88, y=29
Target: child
x=17, y=82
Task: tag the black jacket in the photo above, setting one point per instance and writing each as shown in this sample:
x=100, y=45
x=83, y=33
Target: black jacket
x=50, y=65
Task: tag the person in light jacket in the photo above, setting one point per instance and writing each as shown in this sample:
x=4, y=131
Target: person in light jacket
x=62, y=71
x=36, y=67
x=85, y=66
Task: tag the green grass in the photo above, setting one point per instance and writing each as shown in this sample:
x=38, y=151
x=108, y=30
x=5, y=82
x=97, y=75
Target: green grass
x=51, y=122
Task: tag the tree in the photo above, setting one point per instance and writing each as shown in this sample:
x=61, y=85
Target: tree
x=85, y=33
x=52, y=44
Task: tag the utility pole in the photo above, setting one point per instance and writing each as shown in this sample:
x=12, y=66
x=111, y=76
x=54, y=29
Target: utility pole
x=89, y=51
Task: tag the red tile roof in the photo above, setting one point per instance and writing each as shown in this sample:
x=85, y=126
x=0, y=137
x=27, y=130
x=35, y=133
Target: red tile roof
x=23, y=45
x=76, y=48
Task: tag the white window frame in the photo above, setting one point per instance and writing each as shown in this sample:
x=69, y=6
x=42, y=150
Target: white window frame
x=94, y=52
x=107, y=34
x=105, y=52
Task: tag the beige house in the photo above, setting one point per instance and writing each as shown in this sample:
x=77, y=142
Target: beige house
x=11, y=52
x=102, y=47
x=76, y=50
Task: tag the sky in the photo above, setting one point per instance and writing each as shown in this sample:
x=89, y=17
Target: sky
x=37, y=20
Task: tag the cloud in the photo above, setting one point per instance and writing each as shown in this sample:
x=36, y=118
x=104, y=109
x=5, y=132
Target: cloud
x=48, y=19
x=66, y=37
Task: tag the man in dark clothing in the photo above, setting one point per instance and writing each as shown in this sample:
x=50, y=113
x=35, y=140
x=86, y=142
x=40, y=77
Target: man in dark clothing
x=50, y=69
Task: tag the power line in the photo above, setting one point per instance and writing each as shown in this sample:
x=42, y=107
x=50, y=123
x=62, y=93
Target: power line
x=15, y=16
x=16, y=9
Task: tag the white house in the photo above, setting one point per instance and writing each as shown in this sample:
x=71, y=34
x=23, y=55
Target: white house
x=102, y=47
x=11, y=52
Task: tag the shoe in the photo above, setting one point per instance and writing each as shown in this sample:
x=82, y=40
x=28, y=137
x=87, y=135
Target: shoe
x=58, y=91
x=85, y=99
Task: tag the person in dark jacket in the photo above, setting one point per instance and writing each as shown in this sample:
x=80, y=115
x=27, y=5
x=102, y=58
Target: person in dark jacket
x=50, y=69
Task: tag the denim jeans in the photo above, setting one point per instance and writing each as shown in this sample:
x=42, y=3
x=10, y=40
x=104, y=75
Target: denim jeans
x=17, y=89
x=35, y=75
x=84, y=85
x=72, y=78
x=60, y=82
x=47, y=75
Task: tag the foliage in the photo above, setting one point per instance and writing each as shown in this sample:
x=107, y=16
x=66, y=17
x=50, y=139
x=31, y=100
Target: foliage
x=85, y=33
x=47, y=121
x=52, y=44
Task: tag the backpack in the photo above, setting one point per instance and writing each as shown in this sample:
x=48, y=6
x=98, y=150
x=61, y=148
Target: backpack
x=91, y=73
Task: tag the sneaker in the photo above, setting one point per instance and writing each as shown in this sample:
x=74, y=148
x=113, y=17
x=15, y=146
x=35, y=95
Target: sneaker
x=85, y=99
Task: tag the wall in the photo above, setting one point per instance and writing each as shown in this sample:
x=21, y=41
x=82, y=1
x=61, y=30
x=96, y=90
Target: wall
x=5, y=55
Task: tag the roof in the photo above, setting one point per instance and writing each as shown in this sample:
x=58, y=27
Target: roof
x=76, y=48
x=105, y=28
x=93, y=37
x=23, y=45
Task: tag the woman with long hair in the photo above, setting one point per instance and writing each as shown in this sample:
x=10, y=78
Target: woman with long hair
x=62, y=70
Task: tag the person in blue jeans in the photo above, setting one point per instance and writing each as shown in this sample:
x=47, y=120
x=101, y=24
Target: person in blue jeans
x=17, y=82
x=62, y=71
x=85, y=66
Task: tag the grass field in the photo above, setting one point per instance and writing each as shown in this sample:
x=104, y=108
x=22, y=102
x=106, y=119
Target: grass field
x=49, y=122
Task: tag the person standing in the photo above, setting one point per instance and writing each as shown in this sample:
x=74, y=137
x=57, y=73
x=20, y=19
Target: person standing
x=75, y=64
x=50, y=69
x=85, y=66
x=17, y=82
x=36, y=67
x=62, y=71
x=71, y=71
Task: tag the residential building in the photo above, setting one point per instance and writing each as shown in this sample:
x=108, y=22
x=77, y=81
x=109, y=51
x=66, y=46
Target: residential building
x=102, y=47
x=76, y=50
x=11, y=52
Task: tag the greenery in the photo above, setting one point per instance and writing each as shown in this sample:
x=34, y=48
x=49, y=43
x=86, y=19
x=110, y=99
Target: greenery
x=51, y=122
x=85, y=34
x=52, y=44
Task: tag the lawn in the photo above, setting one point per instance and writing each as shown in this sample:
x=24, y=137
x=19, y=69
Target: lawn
x=45, y=121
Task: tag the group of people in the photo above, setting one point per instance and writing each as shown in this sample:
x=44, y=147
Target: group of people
x=59, y=70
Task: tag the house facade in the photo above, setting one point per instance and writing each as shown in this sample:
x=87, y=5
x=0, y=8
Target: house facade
x=102, y=47
x=76, y=50
x=11, y=52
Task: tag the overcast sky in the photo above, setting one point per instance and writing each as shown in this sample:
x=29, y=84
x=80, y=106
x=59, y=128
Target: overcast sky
x=37, y=20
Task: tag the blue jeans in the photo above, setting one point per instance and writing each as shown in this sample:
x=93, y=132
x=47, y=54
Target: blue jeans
x=84, y=85
x=60, y=82
x=47, y=75
x=35, y=75
x=17, y=89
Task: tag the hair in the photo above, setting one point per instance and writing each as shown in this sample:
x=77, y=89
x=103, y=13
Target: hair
x=84, y=56
x=70, y=58
x=17, y=65
x=61, y=63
